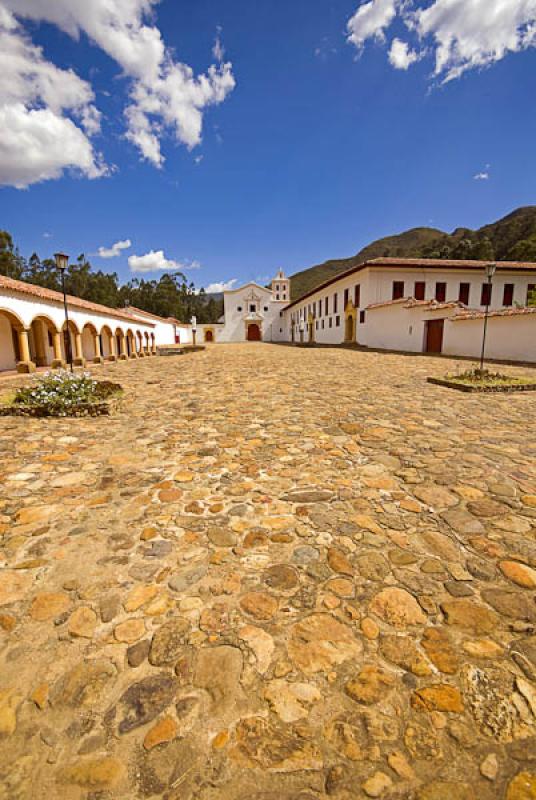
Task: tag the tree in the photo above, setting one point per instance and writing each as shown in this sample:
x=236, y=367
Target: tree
x=483, y=250
x=525, y=250
x=11, y=263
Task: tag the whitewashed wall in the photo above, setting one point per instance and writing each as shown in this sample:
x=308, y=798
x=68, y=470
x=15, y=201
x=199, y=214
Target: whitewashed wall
x=510, y=338
x=335, y=333
x=7, y=355
x=381, y=285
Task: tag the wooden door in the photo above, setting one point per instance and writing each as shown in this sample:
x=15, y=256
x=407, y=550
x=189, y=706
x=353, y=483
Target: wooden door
x=254, y=332
x=209, y=336
x=434, y=336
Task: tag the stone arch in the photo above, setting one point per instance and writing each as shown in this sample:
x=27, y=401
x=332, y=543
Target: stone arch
x=153, y=344
x=131, y=346
x=121, y=344
x=139, y=344
x=350, y=323
x=71, y=343
x=43, y=332
x=107, y=343
x=147, y=349
x=90, y=349
x=11, y=327
x=209, y=335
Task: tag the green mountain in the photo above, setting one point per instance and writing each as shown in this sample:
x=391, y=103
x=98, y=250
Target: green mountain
x=512, y=238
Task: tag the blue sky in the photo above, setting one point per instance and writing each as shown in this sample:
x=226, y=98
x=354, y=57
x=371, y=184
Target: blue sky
x=312, y=144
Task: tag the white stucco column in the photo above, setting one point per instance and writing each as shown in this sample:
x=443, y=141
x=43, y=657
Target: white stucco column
x=79, y=360
x=25, y=364
x=98, y=355
x=123, y=341
x=58, y=355
x=113, y=349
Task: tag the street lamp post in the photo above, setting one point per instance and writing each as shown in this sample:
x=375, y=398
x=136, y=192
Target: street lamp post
x=490, y=272
x=194, y=329
x=62, y=262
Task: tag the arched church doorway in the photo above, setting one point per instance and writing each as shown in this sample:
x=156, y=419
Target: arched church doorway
x=254, y=332
x=209, y=336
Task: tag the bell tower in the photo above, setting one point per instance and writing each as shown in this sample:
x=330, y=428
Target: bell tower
x=281, y=288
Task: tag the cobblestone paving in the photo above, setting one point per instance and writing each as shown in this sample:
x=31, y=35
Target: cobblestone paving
x=275, y=574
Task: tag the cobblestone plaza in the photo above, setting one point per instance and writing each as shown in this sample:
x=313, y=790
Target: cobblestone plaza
x=274, y=574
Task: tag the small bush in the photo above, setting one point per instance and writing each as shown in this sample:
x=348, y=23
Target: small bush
x=65, y=394
x=476, y=375
x=485, y=377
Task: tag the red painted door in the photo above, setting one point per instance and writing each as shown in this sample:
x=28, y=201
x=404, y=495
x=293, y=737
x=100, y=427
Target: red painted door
x=254, y=332
x=434, y=336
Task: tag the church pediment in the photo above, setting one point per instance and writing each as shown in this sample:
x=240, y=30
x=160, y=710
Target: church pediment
x=253, y=297
x=253, y=316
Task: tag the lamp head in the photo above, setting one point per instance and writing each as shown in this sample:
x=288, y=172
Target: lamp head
x=62, y=261
x=491, y=269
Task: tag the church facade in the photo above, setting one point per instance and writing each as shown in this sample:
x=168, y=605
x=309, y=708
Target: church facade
x=253, y=313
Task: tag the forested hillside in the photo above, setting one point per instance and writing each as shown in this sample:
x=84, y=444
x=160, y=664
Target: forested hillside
x=512, y=238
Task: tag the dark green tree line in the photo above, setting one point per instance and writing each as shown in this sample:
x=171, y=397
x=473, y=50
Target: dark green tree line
x=172, y=295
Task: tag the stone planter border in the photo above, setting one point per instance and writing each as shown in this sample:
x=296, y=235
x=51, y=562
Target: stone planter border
x=490, y=389
x=175, y=350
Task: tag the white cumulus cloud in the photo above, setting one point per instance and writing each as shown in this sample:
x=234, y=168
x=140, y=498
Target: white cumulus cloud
x=164, y=93
x=223, y=286
x=115, y=250
x=165, y=96
x=371, y=21
x=155, y=261
x=47, y=115
x=475, y=33
x=401, y=56
x=460, y=34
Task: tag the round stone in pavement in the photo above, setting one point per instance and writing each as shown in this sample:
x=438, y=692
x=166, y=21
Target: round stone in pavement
x=281, y=577
x=305, y=554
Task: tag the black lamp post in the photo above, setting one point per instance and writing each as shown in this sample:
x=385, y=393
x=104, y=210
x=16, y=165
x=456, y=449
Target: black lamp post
x=62, y=262
x=490, y=272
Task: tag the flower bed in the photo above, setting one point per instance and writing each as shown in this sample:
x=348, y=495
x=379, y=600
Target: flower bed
x=63, y=394
x=476, y=380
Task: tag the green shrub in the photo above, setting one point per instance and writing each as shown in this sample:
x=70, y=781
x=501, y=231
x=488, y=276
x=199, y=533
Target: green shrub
x=65, y=394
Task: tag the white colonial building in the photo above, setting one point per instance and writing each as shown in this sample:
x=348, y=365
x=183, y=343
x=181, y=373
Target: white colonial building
x=421, y=305
x=33, y=330
x=254, y=313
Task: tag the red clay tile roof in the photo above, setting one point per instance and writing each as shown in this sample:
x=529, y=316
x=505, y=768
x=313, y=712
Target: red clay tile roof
x=398, y=302
x=57, y=297
x=410, y=302
x=135, y=311
x=455, y=263
x=473, y=313
x=423, y=263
